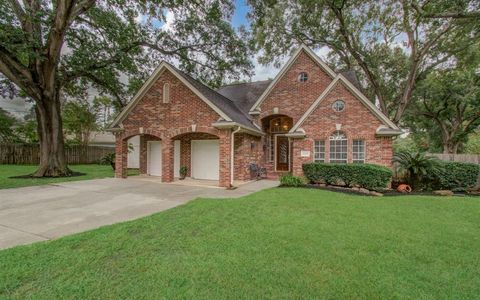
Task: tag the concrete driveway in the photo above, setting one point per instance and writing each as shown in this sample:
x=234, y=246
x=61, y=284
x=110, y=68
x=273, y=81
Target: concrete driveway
x=42, y=213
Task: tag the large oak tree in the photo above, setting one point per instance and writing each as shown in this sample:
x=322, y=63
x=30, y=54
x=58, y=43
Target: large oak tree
x=392, y=44
x=50, y=50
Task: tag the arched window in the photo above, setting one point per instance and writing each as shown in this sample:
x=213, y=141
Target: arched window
x=166, y=93
x=338, y=147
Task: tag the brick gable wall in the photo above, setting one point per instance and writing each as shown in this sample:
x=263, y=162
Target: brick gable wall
x=291, y=97
x=169, y=121
x=356, y=121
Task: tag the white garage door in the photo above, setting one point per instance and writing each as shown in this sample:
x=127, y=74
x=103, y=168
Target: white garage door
x=154, y=158
x=205, y=159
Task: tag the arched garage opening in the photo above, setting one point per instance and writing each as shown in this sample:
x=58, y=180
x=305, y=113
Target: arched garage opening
x=199, y=152
x=142, y=151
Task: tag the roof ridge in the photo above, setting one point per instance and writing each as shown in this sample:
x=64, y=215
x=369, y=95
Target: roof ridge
x=249, y=82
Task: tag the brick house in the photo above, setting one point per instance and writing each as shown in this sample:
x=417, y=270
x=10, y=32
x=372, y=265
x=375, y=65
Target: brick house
x=306, y=113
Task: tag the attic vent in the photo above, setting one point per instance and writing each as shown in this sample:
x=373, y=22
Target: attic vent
x=166, y=93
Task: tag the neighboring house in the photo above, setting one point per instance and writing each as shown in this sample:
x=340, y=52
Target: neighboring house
x=307, y=113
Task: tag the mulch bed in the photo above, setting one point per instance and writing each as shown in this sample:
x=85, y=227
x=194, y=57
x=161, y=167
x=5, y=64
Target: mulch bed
x=30, y=176
x=389, y=193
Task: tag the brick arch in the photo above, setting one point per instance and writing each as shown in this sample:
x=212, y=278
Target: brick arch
x=281, y=112
x=130, y=133
x=173, y=133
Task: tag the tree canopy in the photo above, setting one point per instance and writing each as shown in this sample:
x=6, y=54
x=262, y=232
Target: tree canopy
x=391, y=44
x=50, y=50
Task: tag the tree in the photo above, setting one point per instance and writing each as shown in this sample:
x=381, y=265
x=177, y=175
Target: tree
x=7, y=122
x=50, y=49
x=390, y=44
x=448, y=107
x=80, y=120
x=473, y=144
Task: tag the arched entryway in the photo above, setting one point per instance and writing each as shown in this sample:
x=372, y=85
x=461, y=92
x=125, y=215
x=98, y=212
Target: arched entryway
x=138, y=150
x=277, y=143
x=199, y=153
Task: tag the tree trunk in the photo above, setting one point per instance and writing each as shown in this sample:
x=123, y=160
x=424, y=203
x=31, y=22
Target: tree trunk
x=50, y=134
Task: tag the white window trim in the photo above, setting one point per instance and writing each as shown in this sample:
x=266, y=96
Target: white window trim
x=364, y=151
x=324, y=150
x=330, y=140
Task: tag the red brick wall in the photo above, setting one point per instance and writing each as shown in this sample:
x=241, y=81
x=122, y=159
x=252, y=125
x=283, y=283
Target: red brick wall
x=167, y=121
x=356, y=121
x=292, y=97
x=248, y=150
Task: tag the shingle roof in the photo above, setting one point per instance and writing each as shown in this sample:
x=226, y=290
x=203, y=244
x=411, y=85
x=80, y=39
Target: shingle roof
x=223, y=103
x=244, y=94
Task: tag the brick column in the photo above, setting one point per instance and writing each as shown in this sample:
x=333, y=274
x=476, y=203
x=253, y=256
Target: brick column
x=167, y=160
x=143, y=154
x=121, y=155
x=297, y=160
x=225, y=157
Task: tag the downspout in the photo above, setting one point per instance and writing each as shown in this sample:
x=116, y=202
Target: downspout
x=232, y=155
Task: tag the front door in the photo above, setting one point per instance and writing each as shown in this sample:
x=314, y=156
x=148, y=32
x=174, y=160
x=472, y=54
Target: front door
x=282, y=153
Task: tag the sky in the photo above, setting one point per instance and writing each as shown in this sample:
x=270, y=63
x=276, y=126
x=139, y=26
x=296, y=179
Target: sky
x=18, y=107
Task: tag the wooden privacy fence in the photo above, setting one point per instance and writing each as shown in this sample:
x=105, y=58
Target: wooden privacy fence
x=467, y=158
x=27, y=154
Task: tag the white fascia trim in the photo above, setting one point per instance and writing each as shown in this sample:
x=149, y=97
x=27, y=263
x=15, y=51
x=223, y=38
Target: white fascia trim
x=356, y=93
x=145, y=87
x=292, y=59
x=229, y=125
x=368, y=103
x=314, y=104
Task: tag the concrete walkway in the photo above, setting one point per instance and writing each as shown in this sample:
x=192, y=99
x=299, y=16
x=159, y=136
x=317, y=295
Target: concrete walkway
x=47, y=212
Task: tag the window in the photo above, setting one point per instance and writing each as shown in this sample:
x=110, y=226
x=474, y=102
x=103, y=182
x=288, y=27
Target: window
x=319, y=151
x=358, y=151
x=166, y=93
x=338, y=105
x=280, y=124
x=338, y=147
x=270, y=148
x=303, y=77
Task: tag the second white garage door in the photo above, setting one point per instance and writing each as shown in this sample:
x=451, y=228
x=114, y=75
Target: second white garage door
x=205, y=159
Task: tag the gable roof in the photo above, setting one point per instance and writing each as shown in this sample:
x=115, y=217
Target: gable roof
x=226, y=108
x=356, y=92
x=285, y=68
x=244, y=94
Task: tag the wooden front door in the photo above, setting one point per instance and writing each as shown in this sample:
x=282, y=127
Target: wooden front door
x=282, y=153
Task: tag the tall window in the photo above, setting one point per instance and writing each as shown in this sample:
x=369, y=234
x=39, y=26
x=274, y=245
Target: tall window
x=358, y=151
x=166, y=93
x=319, y=151
x=338, y=147
x=270, y=147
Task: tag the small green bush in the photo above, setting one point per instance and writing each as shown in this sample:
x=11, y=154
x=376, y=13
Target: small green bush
x=290, y=180
x=368, y=176
x=456, y=176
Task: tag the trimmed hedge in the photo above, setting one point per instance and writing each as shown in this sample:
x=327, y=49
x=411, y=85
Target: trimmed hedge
x=456, y=176
x=368, y=176
x=290, y=180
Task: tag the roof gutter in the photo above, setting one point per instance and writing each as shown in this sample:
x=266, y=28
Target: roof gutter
x=231, y=125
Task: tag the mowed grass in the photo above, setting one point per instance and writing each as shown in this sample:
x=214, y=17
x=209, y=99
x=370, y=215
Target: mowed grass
x=278, y=243
x=91, y=172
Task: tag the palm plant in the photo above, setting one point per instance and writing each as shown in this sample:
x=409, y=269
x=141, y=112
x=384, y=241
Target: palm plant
x=414, y=166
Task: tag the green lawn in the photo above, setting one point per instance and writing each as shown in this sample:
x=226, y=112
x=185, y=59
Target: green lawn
x=278, y=243
x=91, y=172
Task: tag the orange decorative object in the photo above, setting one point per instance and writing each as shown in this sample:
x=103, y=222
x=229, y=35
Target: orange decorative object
x=404, y=188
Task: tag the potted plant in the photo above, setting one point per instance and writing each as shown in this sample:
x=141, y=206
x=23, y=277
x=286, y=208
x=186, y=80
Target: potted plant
x=183, y=172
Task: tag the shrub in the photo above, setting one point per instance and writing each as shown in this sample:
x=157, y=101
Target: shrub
x=450, y=175
x=368, y=176
x=290, y=180
x=415, y=166
x=109, y=159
